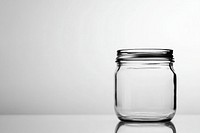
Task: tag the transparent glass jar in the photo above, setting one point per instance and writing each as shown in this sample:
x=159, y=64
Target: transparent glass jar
x=145, y=85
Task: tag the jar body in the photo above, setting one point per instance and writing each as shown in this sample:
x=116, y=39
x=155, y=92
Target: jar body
x=145, y=91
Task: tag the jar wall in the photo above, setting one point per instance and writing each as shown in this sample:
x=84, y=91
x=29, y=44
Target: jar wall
x=145, y=91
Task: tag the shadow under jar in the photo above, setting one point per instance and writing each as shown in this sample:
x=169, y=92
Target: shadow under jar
x=145, y=85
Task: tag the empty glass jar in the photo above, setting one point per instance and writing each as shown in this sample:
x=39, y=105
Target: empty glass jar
x=145, y=85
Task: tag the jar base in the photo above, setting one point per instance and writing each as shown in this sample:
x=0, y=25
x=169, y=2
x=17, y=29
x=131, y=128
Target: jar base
x=146, y=118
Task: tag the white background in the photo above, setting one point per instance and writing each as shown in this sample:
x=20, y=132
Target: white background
x=58, y=56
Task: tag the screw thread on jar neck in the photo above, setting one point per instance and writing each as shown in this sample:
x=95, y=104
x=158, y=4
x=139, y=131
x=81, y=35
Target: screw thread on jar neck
x=127, y=55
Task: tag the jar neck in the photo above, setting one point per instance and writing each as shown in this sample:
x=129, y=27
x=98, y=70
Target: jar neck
x=144, y=55
x=150, y=63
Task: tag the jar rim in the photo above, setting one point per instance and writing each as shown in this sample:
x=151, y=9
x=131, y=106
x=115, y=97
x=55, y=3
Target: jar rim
x=145, y=54
x=144, y=50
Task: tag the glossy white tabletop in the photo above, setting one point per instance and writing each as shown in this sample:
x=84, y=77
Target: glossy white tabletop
x=93, y=124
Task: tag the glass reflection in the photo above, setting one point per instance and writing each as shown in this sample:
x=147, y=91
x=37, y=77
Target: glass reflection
x=164, y=127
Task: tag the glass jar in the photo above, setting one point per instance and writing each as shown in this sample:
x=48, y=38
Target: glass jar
x=145, y=85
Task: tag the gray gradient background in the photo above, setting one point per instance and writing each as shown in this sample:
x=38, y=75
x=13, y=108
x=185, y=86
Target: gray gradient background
x=58, y=56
